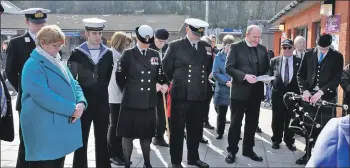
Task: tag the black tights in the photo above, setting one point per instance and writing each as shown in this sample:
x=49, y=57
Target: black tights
x=145, y=147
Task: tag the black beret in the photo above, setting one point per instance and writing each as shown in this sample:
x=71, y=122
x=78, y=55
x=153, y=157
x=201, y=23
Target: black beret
x=1, y=9
x=161, y=34
x=325, y=40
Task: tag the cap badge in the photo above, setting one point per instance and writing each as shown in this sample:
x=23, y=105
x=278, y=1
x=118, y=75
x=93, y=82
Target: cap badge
x=38, y=15
x=201, y=30
x=147, y=38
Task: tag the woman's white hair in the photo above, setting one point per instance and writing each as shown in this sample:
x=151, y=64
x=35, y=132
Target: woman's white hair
x=298, y=38
x=206, y=39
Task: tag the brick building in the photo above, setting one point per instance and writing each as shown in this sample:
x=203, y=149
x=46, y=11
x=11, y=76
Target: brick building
x=310, y=19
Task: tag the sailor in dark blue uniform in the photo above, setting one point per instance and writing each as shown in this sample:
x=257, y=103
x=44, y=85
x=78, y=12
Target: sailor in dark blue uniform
x=91, y=64
x=137, y=75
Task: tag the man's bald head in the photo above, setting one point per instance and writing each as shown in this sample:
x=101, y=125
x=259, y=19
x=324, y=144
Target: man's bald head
x=253, y=35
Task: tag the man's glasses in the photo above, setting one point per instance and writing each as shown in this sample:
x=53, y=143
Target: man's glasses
x=285, y=48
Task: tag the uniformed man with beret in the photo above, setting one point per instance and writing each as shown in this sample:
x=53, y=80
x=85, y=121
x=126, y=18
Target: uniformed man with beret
x=138, y=76
x=18, y=52
x=91, y=64
x=318, y=78
x=160, y=44
x=186, y=64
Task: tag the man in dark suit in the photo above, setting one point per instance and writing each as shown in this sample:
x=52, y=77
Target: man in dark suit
x=284, y=68
x=7, y=132
x=18, y=52
x=246, y=60
x=186, y=64
x=318, y=78
x=160, y=44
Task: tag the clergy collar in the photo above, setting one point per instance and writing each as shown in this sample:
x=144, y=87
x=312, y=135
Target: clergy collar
x=248, y=44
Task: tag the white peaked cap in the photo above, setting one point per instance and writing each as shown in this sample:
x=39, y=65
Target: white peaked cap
x=145, y=30
x=197, y=23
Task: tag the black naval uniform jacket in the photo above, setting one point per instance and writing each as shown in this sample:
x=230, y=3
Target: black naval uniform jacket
x=188, y=68
x=162, y=79
x=93, y=78
x=18, y=52
x=137, y=76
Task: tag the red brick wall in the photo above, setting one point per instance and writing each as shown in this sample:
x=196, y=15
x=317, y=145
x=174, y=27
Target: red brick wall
x=311, y=15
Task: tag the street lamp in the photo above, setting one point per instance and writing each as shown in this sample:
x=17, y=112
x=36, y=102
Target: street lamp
x=328, y=8
x=281, y=27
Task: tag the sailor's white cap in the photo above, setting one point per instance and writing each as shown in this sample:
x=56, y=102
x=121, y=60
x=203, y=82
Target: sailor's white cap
x=94, y=24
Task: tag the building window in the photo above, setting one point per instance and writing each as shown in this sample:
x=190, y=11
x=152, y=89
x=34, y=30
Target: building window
x=317, y=31
x=302, y=31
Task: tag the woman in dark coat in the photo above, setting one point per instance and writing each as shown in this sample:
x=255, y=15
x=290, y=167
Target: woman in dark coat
x=138, y=74
x=223, y=84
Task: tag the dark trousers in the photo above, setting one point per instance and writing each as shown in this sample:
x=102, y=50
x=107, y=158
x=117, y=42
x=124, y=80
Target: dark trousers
x=160, y=123
x=21, y=162
x=221, y=110
x=207, y=106
x=251, y=109
x=190, y=114
x=114, y=142
x=58, y=163
x=98, y=113
x=280, y=121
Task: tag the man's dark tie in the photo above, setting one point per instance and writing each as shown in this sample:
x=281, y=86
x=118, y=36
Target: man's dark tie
x=194, y=46
x=286, y=73
x=144, y=52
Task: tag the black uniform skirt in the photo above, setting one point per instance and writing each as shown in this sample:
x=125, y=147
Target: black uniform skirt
x=136, y=123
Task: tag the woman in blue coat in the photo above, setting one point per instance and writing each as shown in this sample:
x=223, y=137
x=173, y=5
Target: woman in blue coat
x=223, y=84
x=52, y=103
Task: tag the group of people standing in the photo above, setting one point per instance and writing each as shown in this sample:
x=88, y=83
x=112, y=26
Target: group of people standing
x=122, y=89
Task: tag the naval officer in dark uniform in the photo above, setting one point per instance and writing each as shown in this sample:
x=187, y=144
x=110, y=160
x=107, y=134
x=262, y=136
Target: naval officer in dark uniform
x=138, y=76
x=91, y=64
x=186, y=64
x=318, y=78
x=160, y=44
x=18, y=52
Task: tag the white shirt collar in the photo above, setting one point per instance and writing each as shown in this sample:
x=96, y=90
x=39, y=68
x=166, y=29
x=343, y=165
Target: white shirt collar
x=289, y=58
x=319, y=53
x=141, y=49
x=32, y=35
x=192, y=42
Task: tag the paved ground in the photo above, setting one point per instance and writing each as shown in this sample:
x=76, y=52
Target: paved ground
x=214, y=153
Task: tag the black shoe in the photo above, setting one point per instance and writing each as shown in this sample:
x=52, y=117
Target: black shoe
x=147, y=165
x=198, y=163
x=258, y=130
x=219, y=137
x=175, y=166
x=159, y=141
x=252, y=155
x=203, y=141
x=207, y=125
x=275, y=145
x=227, y=122
x=292, y=147
x=117, y=161
x=302, y=161
x=230, y=158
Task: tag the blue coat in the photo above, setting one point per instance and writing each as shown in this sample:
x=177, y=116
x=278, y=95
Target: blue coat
x=332, y=147
x=222, y=92
x=48, y=100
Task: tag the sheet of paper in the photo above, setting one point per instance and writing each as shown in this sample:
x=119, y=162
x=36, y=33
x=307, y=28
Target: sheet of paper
x=265, y=78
